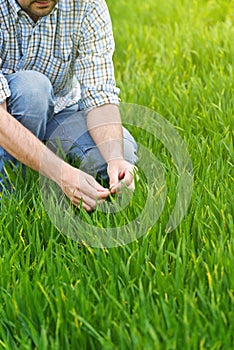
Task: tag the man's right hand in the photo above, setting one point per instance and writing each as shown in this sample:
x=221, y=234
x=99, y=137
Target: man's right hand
x=81, y=187
x=28, y=149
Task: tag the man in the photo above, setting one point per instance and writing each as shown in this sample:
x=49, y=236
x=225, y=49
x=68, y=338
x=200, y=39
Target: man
x=46, y=48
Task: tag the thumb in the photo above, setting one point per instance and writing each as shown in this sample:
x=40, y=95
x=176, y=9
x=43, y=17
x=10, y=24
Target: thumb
x=113, y=176
x=92, y=182
x=128, y=179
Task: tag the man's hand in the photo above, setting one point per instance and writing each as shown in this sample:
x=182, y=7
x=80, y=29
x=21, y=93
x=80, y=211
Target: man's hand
x=79, y=186
x=120, y=173
x=105, y=127
x=28, y=149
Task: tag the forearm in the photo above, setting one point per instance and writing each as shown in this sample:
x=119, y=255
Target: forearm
x=27, y=148
x=105, y=127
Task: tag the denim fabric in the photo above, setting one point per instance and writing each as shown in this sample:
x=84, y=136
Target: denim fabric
x=32, y=104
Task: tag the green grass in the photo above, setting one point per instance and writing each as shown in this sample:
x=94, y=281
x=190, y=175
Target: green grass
x=164, y=290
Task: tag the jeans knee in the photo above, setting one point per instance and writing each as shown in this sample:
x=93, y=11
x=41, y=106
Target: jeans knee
x=31, y=87
x=31, y=100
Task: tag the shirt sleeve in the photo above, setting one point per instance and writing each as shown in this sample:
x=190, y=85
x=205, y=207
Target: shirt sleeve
x=4, y=87
x=94, y=63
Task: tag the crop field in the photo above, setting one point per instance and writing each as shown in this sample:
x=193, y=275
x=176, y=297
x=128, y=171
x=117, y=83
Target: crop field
x=166, y=289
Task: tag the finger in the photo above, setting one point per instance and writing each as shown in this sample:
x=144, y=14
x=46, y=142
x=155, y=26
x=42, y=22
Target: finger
x=113, y=187
x=113, y=177
x=86, y=203
x=95, y=190
x=128, y=178
x=90, y=203
x=91, y=180
x=90, y=208
x=87, y=200
x=84, y=206
x=126, y=181
x=116, y=188
x=132, y=186
x=100, y=188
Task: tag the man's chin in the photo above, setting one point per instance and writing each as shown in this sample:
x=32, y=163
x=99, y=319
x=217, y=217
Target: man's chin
x=42, y=8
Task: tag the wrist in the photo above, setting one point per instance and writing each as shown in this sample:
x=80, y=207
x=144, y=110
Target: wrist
x=115, y=159
x=64, y=174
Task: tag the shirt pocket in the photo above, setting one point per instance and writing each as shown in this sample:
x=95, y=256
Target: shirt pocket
x=62, y=47
x=60, y=73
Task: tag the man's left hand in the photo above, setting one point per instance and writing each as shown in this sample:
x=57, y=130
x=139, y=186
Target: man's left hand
x=121, y=173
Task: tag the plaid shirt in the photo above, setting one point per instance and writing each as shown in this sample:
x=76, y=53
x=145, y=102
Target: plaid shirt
x=72, y=46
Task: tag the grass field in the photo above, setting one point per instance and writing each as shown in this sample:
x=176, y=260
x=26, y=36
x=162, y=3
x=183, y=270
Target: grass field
x=165, y=290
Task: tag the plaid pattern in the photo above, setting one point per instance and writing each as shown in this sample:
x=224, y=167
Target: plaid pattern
x=72, y=46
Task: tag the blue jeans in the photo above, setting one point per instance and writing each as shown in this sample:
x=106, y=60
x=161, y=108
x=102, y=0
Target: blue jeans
x=32, y=104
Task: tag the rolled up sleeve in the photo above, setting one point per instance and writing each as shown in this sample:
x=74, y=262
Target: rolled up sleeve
x=4, y=88
x=94, y=63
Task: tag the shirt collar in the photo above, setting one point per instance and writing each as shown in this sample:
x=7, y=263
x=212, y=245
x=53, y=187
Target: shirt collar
x=14, y=7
